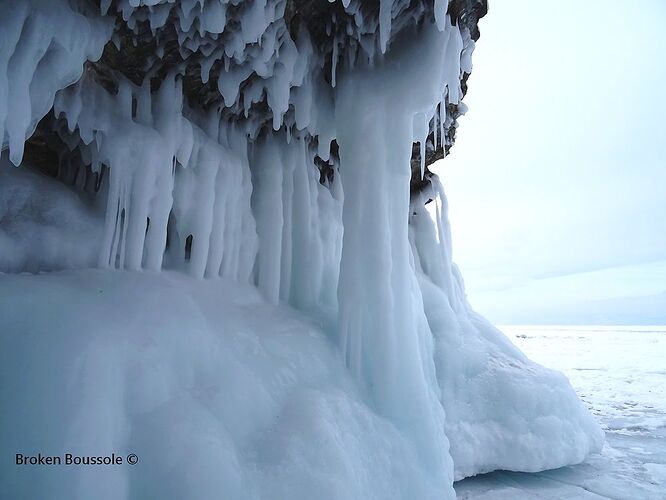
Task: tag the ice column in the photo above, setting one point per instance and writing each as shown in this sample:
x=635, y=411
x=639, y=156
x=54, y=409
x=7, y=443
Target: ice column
x=383, y=332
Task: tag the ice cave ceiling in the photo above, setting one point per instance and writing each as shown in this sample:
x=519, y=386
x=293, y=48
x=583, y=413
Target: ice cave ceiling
x=153, y=39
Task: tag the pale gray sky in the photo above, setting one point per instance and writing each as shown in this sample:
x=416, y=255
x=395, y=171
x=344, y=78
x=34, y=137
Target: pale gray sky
x=557, y=183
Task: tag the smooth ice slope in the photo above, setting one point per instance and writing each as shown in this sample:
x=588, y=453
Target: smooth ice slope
x=399, y=389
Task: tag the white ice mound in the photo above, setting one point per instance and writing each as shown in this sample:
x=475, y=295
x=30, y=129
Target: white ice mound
x=503, y=411
x=219, y=393
x=44, y=225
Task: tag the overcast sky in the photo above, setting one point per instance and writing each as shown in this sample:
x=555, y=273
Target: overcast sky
x=557, y=182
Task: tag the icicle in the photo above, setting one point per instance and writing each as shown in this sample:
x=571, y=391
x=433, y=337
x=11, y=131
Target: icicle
x=385, y=8
x=441, y=7
x=31, y=72
x=267, y=205
x=421, y=127
x=434, y=128
x=454, y=49
x=104, y=6
x=334, y=61
x=442, y=120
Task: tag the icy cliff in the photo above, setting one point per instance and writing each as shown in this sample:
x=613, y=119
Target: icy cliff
x=277, y=150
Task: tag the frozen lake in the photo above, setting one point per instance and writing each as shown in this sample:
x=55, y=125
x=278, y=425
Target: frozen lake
x=620, y=374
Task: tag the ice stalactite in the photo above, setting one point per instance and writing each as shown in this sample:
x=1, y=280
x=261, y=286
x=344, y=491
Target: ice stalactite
x=181, y=192
x=298, y=224
x=44, y=44
x=164, y=170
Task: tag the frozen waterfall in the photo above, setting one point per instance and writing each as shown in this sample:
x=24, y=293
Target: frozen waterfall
x=233, y=275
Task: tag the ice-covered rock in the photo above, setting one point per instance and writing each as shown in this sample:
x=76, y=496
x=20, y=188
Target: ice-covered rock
x=270, y=145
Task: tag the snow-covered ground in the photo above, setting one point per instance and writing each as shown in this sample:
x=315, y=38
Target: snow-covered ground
x=620, y=374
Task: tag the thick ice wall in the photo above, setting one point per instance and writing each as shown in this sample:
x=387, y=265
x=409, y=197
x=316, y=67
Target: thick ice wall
x=256, y=142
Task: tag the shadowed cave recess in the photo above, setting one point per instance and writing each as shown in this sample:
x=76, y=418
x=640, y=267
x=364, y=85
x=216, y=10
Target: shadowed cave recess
x=277, y=153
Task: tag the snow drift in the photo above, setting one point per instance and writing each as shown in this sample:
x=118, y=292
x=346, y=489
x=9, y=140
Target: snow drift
x=266, y=147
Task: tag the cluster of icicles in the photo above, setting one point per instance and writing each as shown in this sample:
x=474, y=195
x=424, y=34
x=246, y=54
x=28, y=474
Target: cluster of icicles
x=186, y=172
